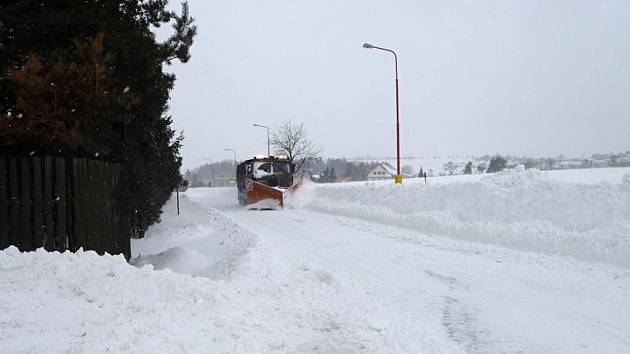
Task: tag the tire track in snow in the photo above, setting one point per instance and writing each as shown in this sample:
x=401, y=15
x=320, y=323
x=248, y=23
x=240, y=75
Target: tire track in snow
x=459, y=319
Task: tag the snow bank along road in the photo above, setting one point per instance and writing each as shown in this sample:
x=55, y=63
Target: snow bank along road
x=513, y=263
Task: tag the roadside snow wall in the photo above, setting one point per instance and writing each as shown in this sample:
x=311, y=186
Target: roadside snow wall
x=85, y=303
x=516, y=208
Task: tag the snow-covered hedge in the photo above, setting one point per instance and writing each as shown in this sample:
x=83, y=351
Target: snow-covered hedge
x=516, y=208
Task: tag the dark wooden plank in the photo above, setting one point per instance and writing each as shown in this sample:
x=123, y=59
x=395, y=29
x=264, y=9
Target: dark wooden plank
x=26, y=205
x=113, y=213
x=90, y=214
x=125, y=235
x=118, y=221
x=85, y=205
x=101, y=220
x=4, y=206
x=49, y=203
x=38, y=203
x=95, y=190
x=14, y=210
x=60, y=202
x=77, y=172
x=70, y=229
x=111, y=222
x=76, y=205
x=111, y=232
x=106, y=234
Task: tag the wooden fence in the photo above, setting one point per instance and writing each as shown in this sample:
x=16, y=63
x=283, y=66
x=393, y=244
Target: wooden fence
x=62, y=204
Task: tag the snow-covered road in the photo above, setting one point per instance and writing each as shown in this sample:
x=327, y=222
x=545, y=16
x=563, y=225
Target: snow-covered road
x=332, y=283
x=514, y=262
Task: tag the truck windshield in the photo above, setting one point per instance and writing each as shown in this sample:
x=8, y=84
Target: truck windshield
x=280, y=167
x=265, y=167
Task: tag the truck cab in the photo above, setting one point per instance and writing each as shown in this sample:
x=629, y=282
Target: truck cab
x=275, y=172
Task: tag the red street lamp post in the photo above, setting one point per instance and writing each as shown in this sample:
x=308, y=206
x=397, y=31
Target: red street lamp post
x=398, y=177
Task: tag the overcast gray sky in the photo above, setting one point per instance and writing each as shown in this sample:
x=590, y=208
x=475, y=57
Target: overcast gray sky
x=515, y=77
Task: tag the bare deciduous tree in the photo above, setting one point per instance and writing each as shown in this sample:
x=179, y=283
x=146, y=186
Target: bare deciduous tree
x=450, y=167
x=291, y=140
x=407, y=169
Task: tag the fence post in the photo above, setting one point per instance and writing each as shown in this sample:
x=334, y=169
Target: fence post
x=92, y=214
x=38, y=209
x=70, y=217
x=4, y=206
x=49, y=200
x=60, y=200
x=25, y=206
x=76, y=207
x=14, y=213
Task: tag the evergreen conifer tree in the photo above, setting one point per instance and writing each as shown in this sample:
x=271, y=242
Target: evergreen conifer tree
x=468, y=168
x=497, y=164
x=129, y=122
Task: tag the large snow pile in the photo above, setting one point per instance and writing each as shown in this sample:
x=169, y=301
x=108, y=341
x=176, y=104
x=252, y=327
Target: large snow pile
x=84, y=303
x=199, y=241
x=523, y=209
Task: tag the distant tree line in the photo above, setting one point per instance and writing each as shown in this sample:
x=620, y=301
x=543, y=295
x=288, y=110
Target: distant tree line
x=211, y=174
x=85, y=78
x=340, y=168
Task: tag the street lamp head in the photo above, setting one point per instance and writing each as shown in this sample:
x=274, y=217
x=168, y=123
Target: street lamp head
x=367, y=45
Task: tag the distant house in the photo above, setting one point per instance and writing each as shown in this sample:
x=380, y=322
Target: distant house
x=383, y=171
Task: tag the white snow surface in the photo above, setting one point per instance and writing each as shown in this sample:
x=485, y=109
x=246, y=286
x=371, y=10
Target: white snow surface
x=455, y=265
x=528, y=209
x=198, y=242
x=86, y=303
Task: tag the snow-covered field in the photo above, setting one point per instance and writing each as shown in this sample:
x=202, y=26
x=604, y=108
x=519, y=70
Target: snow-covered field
x=517, y=262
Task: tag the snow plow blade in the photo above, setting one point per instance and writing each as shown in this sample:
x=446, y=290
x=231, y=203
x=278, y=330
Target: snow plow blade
x=261, y=196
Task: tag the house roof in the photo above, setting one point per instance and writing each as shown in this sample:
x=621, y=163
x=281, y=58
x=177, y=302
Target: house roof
x=391, y=170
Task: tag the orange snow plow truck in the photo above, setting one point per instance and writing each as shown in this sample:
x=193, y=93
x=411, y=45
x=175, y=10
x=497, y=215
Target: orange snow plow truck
x=263, y=182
